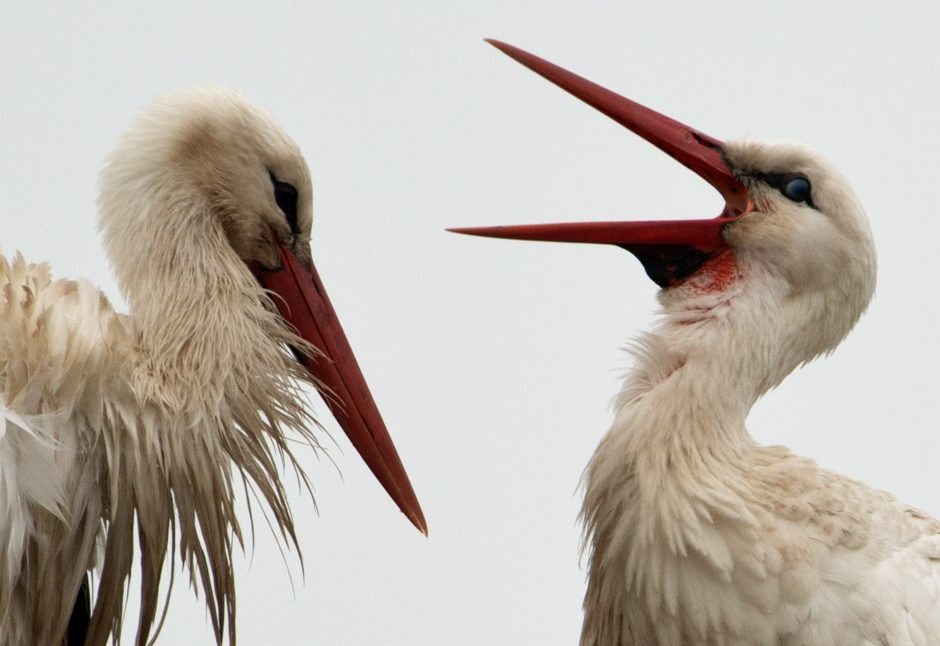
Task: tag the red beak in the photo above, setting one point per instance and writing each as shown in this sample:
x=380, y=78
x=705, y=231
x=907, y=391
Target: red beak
x=303, y=302
x=669, y=250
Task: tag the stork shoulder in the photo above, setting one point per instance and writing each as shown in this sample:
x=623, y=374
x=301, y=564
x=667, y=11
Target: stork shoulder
x=61, y=342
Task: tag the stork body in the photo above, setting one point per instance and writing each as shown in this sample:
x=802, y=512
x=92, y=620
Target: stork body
x=124, y=437
x=696, y=535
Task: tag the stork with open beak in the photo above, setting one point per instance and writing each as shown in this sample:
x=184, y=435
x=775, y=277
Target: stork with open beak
x=695, y=533
x=122, y=429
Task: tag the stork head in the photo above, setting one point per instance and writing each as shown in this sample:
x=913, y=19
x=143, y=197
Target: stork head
x=207, y=193
x=806, y=233
x=792, y=234
x=206, y=150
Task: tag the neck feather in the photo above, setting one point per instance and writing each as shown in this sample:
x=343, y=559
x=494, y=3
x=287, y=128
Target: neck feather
x=675, y=460
x=214, y=396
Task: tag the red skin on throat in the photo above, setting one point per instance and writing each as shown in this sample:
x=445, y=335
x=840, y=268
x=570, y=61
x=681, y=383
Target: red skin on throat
x=717, y=274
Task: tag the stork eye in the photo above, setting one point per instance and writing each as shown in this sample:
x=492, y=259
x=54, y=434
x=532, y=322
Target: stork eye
x=286, y=197
x=798, y=189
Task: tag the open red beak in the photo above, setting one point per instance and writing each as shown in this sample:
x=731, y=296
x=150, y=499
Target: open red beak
x=304, y=304
x=669, y=250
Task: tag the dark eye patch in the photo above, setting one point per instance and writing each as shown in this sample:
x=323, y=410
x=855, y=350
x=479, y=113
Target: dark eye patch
x=794, y=186
x=286, y=197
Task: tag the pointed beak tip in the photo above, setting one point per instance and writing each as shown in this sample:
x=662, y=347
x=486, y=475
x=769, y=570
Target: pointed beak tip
x=502, y=46
x=415, y=515
x=423, y=528
x=484, y=232
x=481, y=232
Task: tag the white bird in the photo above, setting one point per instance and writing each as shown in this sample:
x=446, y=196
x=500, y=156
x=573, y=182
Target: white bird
x=122, y=429
x=696, y=534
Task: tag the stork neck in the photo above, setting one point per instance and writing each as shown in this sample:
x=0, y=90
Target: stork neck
x=700, y=372
x=685, y=406
x=193, y=302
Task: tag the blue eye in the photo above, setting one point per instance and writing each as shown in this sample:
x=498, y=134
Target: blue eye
x=798, y=189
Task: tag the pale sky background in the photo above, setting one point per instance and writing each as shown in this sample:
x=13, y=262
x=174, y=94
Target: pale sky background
x=494, y=362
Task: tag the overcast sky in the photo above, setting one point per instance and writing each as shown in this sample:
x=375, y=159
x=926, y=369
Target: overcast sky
x=494, y=362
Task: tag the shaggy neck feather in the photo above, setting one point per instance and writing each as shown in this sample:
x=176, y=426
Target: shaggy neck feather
x=214, y=394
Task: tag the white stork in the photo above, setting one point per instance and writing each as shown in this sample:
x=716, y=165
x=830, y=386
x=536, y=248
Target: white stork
x=695, y=533
x=122, y=429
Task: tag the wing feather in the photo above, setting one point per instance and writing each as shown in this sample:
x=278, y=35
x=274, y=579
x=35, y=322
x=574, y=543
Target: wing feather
x=57, y=344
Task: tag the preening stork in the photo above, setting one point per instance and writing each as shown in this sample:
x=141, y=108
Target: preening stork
x=695, y=533
x=122, y=429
